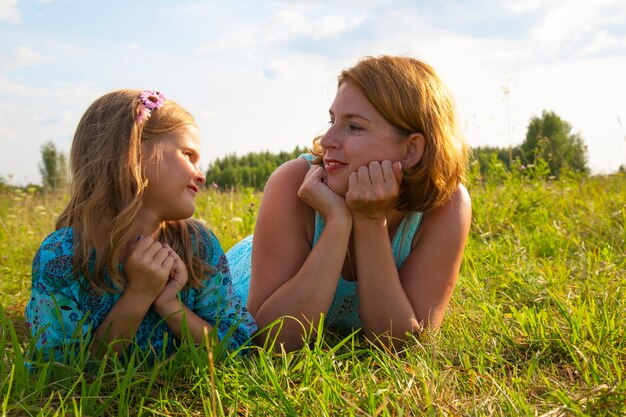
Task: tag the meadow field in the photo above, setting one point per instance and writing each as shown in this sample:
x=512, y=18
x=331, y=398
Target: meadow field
x=535, y=326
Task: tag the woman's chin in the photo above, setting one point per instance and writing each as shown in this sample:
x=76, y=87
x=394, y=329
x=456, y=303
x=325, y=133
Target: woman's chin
x=341, y=189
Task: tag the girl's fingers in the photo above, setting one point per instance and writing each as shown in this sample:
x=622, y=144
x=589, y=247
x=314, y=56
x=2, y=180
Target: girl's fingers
x=161, y=256
x=167, y=263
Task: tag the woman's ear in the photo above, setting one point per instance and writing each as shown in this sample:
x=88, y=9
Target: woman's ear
x=414, y=150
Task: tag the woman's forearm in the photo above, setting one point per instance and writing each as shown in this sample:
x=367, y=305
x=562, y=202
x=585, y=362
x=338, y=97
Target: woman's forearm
x=385, y=308
x=310, y=292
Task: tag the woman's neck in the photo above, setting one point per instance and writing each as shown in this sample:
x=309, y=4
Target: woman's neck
x=393, y=221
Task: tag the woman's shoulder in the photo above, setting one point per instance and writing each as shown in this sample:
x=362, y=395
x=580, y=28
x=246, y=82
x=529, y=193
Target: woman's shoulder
x=292, y=172
x=454, y=215
x=281, y=208
x=283, y=185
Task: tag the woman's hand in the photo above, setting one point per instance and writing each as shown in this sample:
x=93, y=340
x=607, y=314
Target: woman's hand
x=320, y=197
x=147, y=268
x=374, y=189
x=167, y=301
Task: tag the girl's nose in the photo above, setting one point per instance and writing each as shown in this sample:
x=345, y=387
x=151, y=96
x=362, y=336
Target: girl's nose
x=200, y=177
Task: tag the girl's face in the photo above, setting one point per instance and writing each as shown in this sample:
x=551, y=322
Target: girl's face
x=174, y=177
x=358, y=134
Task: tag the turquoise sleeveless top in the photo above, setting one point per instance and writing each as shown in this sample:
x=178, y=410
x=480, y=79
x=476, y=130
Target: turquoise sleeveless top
x=344, y=310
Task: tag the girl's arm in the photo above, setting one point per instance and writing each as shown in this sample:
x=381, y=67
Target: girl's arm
x=54, y=313
x=175, y=313
x=147, y=269
x=216, y=306
x=289, y=279
x=394, y=302
x=179, y=316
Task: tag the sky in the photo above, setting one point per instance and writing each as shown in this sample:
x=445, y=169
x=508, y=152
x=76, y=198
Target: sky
x=261, y=75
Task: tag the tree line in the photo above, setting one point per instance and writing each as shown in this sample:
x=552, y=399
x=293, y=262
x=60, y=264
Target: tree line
x=550, y=148
x=250, y=170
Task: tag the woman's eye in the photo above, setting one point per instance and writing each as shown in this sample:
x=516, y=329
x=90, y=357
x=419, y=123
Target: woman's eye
x=354, y=127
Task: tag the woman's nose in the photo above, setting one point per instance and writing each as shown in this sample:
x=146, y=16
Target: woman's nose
x=330, y=139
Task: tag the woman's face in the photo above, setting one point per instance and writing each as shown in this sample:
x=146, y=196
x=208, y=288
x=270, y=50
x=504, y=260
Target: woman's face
x=358, y=134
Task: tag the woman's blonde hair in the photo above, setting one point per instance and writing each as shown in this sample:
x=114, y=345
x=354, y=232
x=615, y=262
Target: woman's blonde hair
x=410, y=95
x=107, y=188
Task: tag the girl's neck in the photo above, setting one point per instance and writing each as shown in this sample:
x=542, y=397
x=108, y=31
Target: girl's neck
x=145, y=225
x=152, y=231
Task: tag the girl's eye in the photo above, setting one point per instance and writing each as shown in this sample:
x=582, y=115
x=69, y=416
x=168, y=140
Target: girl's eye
x=331, y=122
x=354, y=127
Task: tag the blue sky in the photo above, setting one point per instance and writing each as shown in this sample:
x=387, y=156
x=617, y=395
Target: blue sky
x=260, y=75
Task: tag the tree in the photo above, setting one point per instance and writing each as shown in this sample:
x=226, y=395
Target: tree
x=53, y=168
x=250, y=170
x=549, y=137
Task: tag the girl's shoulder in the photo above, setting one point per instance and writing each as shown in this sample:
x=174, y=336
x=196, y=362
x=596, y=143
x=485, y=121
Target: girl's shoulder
x=55, y=258
x=59, y=243
x=199, y=229
x=205, y=242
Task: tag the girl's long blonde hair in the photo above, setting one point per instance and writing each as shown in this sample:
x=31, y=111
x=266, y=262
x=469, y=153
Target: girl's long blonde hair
x=107, y=187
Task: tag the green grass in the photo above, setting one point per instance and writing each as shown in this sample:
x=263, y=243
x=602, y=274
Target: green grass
x=535, y=326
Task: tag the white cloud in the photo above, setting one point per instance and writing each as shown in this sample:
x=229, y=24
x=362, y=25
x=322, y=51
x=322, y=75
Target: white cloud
x=282, y=27
x=9, y=88
x=331, y=26
x=236, y=40
x=275, y=68
x=523, y=6
x=602, y=41
x=22, y=56
x=571, y=27
x=9, y=11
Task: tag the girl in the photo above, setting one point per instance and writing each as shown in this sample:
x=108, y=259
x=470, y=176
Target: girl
x=369, y=230
x=127, y=262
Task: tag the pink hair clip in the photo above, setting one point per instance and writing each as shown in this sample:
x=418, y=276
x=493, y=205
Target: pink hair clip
x=149, y=100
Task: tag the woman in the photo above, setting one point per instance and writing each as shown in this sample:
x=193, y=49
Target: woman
x=369, y=230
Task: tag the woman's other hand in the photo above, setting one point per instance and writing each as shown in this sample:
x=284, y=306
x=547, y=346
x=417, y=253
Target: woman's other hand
x=374, y=189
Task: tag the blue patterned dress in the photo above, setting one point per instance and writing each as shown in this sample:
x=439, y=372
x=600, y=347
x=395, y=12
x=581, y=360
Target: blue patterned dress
x=63, y=309
x=344, y=310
